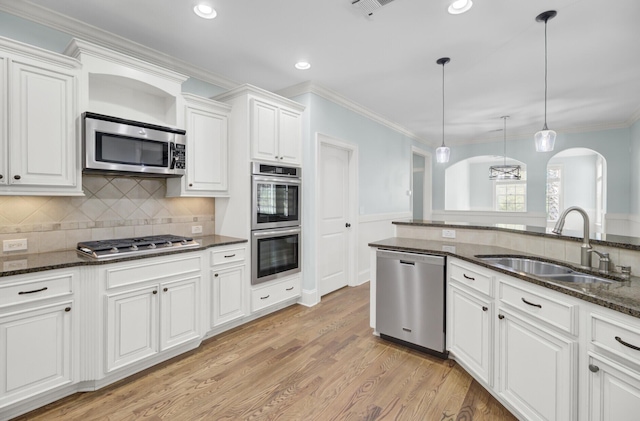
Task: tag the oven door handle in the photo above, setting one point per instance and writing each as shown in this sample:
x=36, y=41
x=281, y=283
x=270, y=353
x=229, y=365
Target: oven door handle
x=276, y=233
x=277, y=180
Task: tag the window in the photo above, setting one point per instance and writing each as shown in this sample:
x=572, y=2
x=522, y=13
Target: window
x=554, y=192
x=511, y=195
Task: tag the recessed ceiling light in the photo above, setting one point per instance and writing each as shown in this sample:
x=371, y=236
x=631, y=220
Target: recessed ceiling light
x=303, y=65
x=205, y=10
x=460, y=6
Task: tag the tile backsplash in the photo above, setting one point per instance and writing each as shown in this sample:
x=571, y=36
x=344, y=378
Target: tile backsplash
x=113, y=207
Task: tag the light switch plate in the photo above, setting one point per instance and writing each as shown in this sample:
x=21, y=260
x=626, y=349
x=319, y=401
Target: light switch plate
x=14, y=245
x=449, y=233
x=196, y=229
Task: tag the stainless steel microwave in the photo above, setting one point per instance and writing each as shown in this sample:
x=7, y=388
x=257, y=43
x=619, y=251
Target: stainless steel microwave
x=115, y=146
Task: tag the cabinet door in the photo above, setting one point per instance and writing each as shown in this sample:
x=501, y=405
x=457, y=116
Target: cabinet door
x=290, y=142
x=36, y=352
x=4, y=172
x=179, y=312
x=227, y=295
x=264, y=131
x=469, y=332
x=42, y=135
x=207, y=151
x=537, y=370
x=614, y=392
x=132, y=327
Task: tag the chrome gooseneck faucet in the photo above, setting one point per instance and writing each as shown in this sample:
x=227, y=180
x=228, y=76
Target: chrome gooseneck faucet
x=585, y=250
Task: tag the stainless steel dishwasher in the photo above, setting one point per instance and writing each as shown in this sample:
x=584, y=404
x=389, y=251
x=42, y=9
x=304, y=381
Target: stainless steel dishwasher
x=410, y=300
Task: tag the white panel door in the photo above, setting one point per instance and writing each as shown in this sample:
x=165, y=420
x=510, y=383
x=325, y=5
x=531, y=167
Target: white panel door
x=179, y=312
x=227, y=295
x=207, y=156
x=614, y=392
x=42, y=128
x=264, y=131
x=132, y=327
x=290, y=142
x=537, y=369
x=35, y=355
x=334, y=248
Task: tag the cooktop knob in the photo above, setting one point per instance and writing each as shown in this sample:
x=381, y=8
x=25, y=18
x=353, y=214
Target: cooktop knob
x=133, y=247
x=152, y=246
x=113, y=250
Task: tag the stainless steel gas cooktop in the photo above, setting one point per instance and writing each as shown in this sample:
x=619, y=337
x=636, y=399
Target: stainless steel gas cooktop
x=123, y=247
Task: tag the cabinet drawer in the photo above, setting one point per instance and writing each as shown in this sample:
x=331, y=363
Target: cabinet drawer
x=36, y=289
x=152, y=270
x=472, y=278
x=227, y=256
x=561, y=314
x=273, y=294
x=622, y=339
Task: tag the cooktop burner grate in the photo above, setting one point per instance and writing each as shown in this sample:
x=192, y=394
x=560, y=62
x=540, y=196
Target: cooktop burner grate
x=121, y=247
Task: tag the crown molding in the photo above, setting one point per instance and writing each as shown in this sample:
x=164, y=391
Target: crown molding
x=81, y=30
x=254, y=90
x=38, y=53
x=634, y=118
x=333, y=96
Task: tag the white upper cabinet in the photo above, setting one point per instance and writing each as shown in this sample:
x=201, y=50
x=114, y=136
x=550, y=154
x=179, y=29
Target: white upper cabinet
x=39, y=140
x=276, y=133
x=206, y=124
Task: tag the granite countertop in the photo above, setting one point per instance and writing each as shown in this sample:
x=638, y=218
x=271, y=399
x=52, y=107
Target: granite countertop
x=28, y=263
x=612, y=240
x=622, y=296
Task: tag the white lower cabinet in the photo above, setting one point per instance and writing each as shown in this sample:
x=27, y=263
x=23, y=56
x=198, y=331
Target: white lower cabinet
x=469, y=331
x=275, y=292
x=537, y=369
x=36, y=351
x=614, y=391
x=227, y=295
x=149, y=320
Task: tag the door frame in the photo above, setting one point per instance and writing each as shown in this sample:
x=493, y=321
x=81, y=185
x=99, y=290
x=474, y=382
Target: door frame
x=352, y=235
x=427, y=202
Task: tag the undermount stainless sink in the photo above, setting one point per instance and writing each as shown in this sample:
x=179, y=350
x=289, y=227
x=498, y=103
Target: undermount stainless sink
x=533, y=267
x=547, y=270
x=580, y=278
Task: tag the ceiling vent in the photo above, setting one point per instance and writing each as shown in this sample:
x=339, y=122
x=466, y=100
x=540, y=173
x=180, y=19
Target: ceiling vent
x=368, y=6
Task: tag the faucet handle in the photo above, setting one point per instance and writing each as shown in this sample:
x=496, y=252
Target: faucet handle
x=603, y=264
x=625, y=271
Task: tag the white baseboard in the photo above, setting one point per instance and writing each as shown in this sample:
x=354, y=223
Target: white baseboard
x=309, y=298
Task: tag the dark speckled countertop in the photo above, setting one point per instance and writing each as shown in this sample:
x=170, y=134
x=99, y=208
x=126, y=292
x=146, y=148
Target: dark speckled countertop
x=622, y=296
x=28, y=263
x=621, y=241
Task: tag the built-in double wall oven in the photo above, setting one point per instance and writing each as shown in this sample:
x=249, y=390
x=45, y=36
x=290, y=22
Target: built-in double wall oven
x=276, y=236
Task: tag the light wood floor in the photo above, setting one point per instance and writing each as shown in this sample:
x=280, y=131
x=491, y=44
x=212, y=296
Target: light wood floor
x=319, y=363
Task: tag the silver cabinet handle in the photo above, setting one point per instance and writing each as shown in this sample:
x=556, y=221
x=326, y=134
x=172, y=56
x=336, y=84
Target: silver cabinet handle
x=530, y=303
x=594, y=368
x=627, y=344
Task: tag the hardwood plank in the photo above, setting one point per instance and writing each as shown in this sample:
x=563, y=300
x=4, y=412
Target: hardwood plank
x=320, y=363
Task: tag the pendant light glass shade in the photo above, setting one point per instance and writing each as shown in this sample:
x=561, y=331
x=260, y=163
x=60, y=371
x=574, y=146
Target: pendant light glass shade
x=443, y=152
x=545, y=139
x=504, y=171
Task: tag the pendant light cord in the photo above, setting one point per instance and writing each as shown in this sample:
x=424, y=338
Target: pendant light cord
x=505, y=139
x=443, y=103
x=545, y=74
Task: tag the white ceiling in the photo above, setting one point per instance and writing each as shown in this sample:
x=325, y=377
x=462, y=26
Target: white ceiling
x=387, y=63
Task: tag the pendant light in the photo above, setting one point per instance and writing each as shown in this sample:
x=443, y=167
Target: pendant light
x=545, y=138
x=442, y=153
x=504, y=171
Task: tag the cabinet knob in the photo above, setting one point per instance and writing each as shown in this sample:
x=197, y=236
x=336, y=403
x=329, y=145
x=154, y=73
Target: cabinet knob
x=68, y=309
x=190, y=184
x=282, y=157
x=277, y=157
x=165, y=289
x=347, y=225
x=215, y=274
x=155, y=291
x=594, y=368
x=1, y=176
x=500, y=316
x=17, y=177
x=485, y=308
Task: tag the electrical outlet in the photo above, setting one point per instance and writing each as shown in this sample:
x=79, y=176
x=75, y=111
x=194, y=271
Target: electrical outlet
x=14, y=245
x=14, y=265
x=196, y=229
x=448, y=233
x=450, y=249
